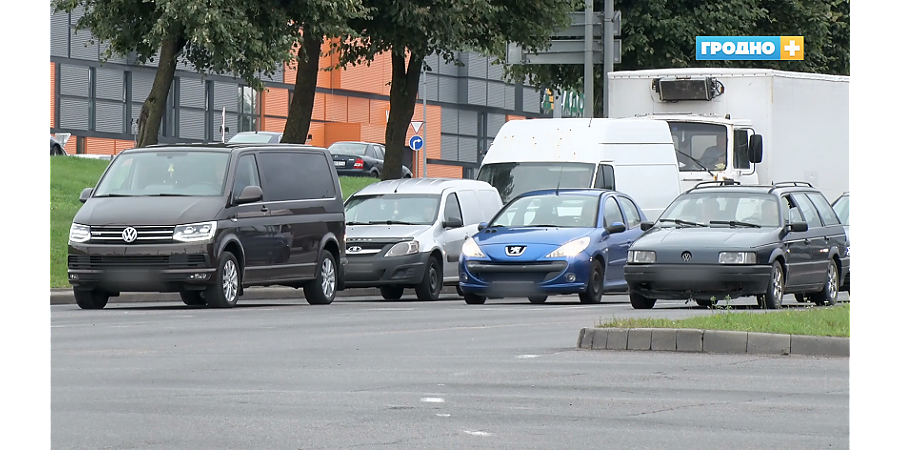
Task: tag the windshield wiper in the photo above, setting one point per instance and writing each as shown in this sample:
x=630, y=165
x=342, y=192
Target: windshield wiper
x=115, y=195
x=696, y=161
x=545, y=226
x=166, y=194
x=733, y=223
x=390, y=222
x=683, y=222
x=359, y=223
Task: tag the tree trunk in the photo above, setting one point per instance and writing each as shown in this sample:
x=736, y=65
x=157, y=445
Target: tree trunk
x=404, y=89
x=152, y=110
x=300, y=114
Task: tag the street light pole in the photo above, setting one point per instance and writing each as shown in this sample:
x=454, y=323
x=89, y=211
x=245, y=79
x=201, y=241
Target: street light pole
x=589, y=57
x=424, y=121
x=608, y=48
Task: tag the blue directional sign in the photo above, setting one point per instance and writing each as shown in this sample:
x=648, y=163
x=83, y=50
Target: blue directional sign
x=416, y=143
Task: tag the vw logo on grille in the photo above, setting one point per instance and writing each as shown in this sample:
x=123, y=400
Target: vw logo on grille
x=515, y=250
x=354, y=249
x=686, y=256
x=129, y=234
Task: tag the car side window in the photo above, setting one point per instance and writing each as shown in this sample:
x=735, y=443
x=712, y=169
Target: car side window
x=246, y=174
x=379, y=152
x=741, y=149
x=314, y=173
x=829, y=217
x=611, y=212
x=631, y=212
x=789, y=211
x=808, y=210
x=473, y=210
x=280, y=173
x=451, y=208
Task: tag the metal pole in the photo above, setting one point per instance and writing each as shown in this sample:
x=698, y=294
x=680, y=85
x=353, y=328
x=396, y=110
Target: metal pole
x=589, y=58
x=608, y=48
x=424, y=122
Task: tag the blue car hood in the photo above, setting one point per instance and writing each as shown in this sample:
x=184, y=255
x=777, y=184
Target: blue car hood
x=538, y=242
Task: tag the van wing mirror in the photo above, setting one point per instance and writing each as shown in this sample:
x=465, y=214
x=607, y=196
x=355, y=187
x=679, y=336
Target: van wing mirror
x=249, y=194
x=756, y=149
x=453, y=222
x=85, y=194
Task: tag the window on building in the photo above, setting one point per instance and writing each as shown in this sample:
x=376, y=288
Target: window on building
x=248, y=109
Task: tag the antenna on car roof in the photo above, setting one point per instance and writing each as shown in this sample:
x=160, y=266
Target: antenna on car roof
x=398, y=186
x=558, y=181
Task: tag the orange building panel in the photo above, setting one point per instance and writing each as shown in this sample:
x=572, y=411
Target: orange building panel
x=317, y=130
x=273, y=124
x=442, y=171
x=357, y=110
x=319, y=107
x=71, y=146
x=122, y=145
x=372, y=133
x=99, y=146
x=335, y=108
x=378, y=111
x=512, y=117
x=335, y=132
x=275, y=102
x=52, y=95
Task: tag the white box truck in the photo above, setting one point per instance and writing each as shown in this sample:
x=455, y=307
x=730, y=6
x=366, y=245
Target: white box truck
x=800, y=120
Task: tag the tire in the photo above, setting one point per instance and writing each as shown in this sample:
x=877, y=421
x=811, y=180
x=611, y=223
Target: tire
x=828, y=296
x=91, y=299
x=638, y=301
x=537, y=299
x=56, y=150
x=322, y=290
x=459, y=291
x=706, y=303
x=594, y=292
x=474, y=299
x=193, y=298
x=432, y=281
x=375, y=174
x=226, y=289
x=774, y=295
x=391, y=292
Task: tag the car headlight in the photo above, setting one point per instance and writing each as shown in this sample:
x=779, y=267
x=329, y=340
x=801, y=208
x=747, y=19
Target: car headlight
x=570, y=248
x=403, y=248
x=737, y=258
x=79, y=233
x=641, y=257
x=471, y=249
x=195, y=232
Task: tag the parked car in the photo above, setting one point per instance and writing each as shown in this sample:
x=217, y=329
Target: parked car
x=409, y=233
x=722, y=239
x=256, y=137
x=841, y=207
x=360, y=159
x=208, y=221
x=567, y=241
x=56, y=147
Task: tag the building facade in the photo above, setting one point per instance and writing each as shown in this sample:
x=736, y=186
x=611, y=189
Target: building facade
x=98, y=103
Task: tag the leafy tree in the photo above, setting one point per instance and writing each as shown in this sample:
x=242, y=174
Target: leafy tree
x=246, y=38
x=662, y=34
x=410, y=30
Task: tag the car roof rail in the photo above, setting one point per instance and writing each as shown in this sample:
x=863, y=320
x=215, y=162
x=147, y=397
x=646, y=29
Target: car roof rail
x=718, y=183
x=793, y=184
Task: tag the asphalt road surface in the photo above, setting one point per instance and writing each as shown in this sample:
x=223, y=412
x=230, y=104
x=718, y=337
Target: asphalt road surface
x=367, y=373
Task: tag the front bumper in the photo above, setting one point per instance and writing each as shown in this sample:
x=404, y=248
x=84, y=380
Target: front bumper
x=141, y=268
x=375, y=270
x=541, y=277
x=697, y=281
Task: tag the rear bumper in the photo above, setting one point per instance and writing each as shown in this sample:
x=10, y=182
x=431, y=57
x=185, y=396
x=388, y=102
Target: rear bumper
x=376, y=270
x=682, y=282
x=546, y=277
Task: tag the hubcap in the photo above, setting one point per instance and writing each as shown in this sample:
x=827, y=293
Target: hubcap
x=595, y=280
x=328, y=278
x=832, y=282
x=433, y=279
x=776, y=284
x=230, y=281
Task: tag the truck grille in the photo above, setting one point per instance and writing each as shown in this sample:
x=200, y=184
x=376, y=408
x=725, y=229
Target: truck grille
x=145, y=234
x=94, y=262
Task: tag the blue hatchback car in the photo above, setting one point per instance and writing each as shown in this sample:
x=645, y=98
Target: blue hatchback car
x=566, y=241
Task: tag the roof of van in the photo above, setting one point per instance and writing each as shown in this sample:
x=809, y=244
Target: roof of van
x=421, y=186
x=717, y=72
x=224, y=147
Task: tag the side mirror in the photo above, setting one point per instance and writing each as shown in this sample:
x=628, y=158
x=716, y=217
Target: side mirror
x=646, y=226
x=798, y=227
x=756, y=149
x=482, y=226
x=616, y=227
x=85, y=194
x=453, y=222
x=249, y=194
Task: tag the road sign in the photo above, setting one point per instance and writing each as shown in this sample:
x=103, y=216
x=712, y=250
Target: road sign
x=416, y=142
x=576, y=29
x=563, y=52
x=416, y=126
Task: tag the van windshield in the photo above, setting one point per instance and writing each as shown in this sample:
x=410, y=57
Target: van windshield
x=387, y=209
x=162, y=173
x=514, y=178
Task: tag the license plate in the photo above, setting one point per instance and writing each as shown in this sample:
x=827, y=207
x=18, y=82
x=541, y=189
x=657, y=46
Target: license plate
x=339, y=163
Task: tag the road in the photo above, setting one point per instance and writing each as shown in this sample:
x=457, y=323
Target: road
x=367, y=373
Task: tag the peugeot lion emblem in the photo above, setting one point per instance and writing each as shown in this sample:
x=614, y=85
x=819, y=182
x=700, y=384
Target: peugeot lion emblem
x=514, y=250
x=129, y=234
x=686, y=256
x=354, y=249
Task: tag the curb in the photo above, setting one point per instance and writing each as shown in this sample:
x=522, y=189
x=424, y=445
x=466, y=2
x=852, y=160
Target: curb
x=711, y=341
x=63, y=296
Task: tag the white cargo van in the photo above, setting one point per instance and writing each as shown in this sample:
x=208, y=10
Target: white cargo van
x=633, y=156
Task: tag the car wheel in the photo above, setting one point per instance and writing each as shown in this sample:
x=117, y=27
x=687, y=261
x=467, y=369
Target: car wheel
x=226, y=288
x=594, y=292
x=375, y=174
x=638, y=301
x=459, y=291
x=93, y=299
x=391, y=292
x=829, y=294
x=56, y=150
x=474, y=299
x=432, y=281
x=537, y=299
x=775, y=291
x=321, y=291
x=193, y=298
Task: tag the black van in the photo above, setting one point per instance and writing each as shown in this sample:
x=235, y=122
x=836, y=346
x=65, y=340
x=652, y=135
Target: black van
x=207, y=221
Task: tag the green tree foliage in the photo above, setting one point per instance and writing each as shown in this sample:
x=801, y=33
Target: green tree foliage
x=410, y=30
x=245, y=38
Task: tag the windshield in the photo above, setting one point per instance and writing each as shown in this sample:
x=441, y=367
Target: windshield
x=348, y=149
x=252, y=138
x=704, y=142
x=404, y=209
x=188, y=173
x=512, y=178
x=718, y=208
x=842, y=208
x=550, y=210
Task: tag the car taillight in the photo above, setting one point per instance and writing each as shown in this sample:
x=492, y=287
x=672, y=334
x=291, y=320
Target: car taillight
x=358, y=164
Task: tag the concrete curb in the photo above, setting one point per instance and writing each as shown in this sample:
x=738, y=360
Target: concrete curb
x=64, y=296
x=711, y=341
